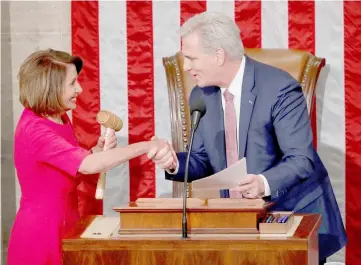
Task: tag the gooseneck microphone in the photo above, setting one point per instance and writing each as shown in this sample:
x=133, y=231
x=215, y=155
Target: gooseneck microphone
x=197, y=110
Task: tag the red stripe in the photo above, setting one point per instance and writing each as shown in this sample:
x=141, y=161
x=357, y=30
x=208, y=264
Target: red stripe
x=352, y=72
x=85, y=43
x=248, y=18
x=301, y=35
x=189, y=8
x=140, y=94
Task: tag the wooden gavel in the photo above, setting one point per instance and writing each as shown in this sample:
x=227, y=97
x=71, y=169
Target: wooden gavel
x=109, y=121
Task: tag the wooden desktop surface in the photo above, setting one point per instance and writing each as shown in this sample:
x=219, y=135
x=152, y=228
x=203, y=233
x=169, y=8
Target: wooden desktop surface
x=300, y=249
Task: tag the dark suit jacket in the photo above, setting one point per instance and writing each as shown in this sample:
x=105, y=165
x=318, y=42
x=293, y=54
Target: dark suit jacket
x=275, y=137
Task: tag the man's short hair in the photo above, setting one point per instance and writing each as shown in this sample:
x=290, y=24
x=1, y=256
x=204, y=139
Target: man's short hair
x=216, y=30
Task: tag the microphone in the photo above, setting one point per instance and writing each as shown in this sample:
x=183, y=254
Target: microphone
x=111, y=122
x=197, y=109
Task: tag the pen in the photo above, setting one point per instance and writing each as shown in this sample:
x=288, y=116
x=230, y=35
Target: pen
x=285, y=219
x=281, y=219
x=264, y=220
x=275, y=220
x=268, y=219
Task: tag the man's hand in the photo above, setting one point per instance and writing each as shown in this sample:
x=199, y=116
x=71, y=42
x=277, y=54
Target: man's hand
x=111, y=141
x=250, y=187
x=164, y=158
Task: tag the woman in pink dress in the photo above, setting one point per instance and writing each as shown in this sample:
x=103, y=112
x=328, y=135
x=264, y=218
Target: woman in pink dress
x=48, y=158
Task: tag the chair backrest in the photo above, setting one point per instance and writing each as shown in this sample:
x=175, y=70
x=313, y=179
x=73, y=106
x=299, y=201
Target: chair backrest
x=302, y=65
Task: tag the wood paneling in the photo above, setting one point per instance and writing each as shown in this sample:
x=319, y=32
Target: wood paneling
x=300, y=249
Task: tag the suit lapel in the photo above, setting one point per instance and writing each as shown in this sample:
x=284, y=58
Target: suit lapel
x=248, y=99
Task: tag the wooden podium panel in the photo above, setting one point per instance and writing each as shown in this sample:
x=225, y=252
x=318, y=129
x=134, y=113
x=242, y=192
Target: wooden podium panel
x=214, y=216
x=299, y=249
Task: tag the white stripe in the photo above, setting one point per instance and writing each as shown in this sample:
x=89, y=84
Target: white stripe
x=274, y=24
x=330, y=97
x=166, y=42
x=114, y=91
x=225, y=7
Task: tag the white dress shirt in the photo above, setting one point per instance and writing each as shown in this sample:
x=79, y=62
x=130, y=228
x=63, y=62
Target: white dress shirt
x=236, y=89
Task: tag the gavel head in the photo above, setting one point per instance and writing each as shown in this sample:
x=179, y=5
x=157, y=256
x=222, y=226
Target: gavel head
x=109, y=120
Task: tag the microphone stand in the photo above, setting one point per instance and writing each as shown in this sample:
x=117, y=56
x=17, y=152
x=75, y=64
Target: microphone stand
x=184, y=219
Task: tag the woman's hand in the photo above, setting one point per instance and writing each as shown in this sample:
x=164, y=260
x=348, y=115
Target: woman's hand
x=106, y=142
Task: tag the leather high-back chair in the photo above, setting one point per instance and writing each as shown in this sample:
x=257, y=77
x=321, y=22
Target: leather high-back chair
x=302, y=65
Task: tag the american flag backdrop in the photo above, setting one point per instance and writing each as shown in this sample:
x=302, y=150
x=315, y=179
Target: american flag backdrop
x=123, y=42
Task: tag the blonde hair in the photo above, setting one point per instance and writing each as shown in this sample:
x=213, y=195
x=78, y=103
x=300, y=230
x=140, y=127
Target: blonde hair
x=41, y=80
x=216, y=31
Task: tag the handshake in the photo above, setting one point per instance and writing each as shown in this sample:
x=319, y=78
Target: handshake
x=162, y=154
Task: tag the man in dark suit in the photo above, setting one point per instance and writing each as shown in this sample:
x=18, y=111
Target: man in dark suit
x=258, y=112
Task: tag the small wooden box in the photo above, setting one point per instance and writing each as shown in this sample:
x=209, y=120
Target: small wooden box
x=274, y=227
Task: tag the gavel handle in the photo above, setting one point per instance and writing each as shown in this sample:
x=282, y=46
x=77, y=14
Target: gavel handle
x=99, y=193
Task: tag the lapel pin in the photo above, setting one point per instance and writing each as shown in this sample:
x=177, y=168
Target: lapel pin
x=250, y=102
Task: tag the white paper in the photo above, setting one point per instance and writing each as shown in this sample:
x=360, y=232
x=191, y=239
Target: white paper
x=225, y=179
